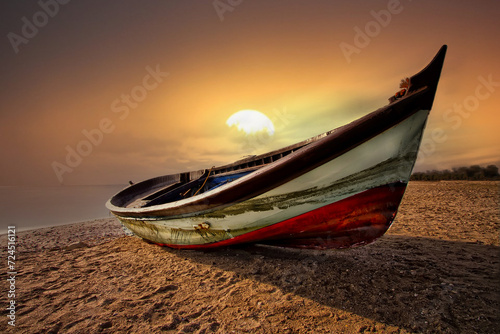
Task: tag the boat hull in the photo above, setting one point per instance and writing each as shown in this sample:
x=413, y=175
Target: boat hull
x=347, y=201
x=336, y=190
x=354, y=221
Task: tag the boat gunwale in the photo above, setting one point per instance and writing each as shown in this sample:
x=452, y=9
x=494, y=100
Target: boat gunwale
x=120, y=211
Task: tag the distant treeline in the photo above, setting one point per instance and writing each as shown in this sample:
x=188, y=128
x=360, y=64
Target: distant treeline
x=474, y=172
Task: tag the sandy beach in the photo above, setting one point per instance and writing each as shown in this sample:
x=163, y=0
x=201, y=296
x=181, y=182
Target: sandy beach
x=437, y=270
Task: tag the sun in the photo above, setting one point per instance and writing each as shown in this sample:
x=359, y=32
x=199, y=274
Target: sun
x=251, y=122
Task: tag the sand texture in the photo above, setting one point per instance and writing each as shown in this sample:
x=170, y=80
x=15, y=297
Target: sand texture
x=437, y=270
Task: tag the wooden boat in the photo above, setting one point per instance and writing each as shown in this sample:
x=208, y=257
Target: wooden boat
x=339, y=189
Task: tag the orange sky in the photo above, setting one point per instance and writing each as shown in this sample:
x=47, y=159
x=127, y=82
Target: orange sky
x=282, y=58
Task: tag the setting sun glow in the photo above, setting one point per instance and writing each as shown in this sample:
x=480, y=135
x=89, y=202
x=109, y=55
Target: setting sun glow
x=251, y=122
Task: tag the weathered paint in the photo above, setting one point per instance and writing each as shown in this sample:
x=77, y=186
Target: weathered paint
x=386, y=159
x=356, y=220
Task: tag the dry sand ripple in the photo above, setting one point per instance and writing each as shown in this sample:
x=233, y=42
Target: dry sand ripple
x=436, y=271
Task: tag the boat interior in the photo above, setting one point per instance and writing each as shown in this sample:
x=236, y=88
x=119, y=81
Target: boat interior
x=171, y=188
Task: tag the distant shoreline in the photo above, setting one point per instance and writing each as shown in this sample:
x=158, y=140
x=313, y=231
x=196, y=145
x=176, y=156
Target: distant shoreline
x=91, y=232
x=34, y=207
x=80, y=222
x=472, y=173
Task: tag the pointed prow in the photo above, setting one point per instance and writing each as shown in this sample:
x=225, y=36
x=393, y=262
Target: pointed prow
x=427, y=78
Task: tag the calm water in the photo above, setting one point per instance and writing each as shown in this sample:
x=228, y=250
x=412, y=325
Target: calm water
x=34, y=207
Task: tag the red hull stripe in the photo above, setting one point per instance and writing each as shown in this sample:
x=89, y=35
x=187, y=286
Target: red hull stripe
x=355, y=220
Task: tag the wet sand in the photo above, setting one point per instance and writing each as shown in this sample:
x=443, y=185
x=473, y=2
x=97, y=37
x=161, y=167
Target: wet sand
x=437, y=270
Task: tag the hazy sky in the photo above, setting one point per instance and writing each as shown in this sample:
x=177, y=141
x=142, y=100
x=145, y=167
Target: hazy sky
x=102, y=92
